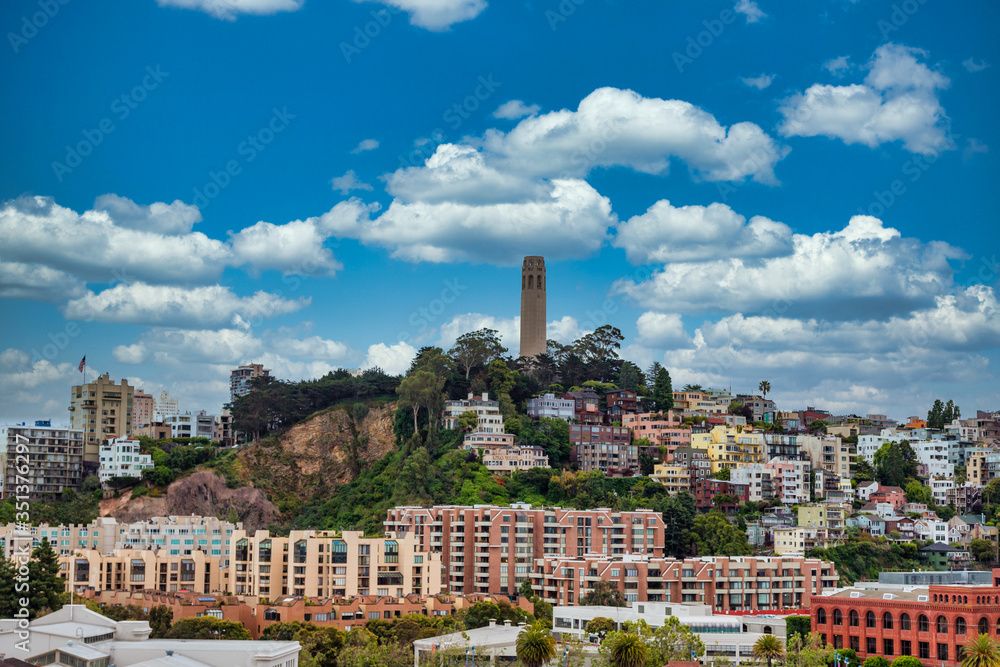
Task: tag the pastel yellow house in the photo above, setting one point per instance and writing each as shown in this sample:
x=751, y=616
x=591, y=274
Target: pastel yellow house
x=676, y=478
x=730, y=446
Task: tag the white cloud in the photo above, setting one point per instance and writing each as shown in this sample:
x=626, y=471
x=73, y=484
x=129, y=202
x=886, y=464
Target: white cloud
x=26, y=387
x=229, y=9
x=437, y=14
x=749, y=9
x=838, y=66
x=897, y=102
x=863, y=269
x=295, y=247
x=130, y=354
x=160, y=218
x=313, y=347
x=661, y=330
x=565, y=330
x=971, y=65
x=36, y=282
x=515, y=109
x=613, y=127
x=349, y=181
x=139, y=303
x=93, y=246
x=665, y=233
x=759, y=82
x=366, y=145
x=393, y=359
x=973, y=146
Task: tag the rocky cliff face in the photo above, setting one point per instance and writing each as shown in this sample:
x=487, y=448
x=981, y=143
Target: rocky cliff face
x=268, y=482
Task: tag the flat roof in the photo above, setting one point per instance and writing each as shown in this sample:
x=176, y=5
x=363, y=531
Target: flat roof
x=489, y=636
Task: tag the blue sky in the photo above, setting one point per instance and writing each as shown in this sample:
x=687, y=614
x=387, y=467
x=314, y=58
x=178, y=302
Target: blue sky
x=798, y=192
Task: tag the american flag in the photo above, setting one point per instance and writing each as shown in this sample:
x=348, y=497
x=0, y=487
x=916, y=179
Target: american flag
x=83, y=362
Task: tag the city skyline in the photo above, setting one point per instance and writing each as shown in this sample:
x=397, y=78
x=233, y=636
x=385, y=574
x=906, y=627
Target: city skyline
x=749, y=191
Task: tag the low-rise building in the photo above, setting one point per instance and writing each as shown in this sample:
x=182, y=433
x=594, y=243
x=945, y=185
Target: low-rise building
x=799, y=539
x=586, y=406
x=551, y=407
x=730, y=447
x=509, y=458
x=605, y=448
x=187, y=425
x=661, y=429
x=620, y=402
x=488, y=412
x=120, y=457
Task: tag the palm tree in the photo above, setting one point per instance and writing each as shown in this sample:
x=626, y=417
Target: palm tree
x=535, y=646
x=981, y=651
x=764, y=387
x=768, y=648
x=626, y=649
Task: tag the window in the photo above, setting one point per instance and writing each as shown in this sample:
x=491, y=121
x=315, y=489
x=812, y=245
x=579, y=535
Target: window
x=821, y=616
x=887, y=621
x=871, y=645
x=959, y=626
x=923, y=625
x=942, y=651
x=904, y=647
x=904, y=624
x=870, y=622
x=942, y=628
x=855, y=645
x=984, y=626
x=855, y=620
x=925, y=651
x=887, y=647
x=838, y=617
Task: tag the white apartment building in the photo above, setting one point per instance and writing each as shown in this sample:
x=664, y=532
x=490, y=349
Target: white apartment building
x=120, y=457
x=934, y=530
x=931, y=449
x=791, y=480
x=939, y=488
x=490, y=419
x=187, y=425
x=551, y=407
x=758, y=478
x=164, y=405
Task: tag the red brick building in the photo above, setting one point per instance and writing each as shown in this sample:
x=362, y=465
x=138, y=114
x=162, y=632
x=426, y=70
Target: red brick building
x=705, y=490
x=620, y=402
x=931, y=623
x=587, y=408
x=605, y=448
x=489, y=549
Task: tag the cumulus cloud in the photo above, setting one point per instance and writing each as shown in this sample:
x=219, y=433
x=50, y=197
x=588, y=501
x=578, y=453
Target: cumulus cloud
x=661, y=330
x=898, y=101
x=393, y=359
x=565, y=330
x=229, y=9
x=613, y=127
x=36, y=282
x=349, y=181
x=665, y=233
x=366, y=145
x=972, y=65
x=437, y=14
x=759, y=82
x=750, y=10
x=838, y=66
x=92, y=245
x=295, y=247
x=175, y=218
x=314, y=347
x=130, y=354
x=863, y=269
x=515, y=109
x=140, y=303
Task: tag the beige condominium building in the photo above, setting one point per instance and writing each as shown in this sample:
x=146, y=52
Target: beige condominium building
x=102, y=410
x=318, y=563
x=142, y=569
x=489, y=549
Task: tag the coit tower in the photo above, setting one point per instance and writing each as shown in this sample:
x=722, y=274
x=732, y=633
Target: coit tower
x=533, y=283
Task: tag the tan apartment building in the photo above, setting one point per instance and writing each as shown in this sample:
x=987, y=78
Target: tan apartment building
x=510, y=458
x=490, y=549
x=101, y=409
x=318, y=563
x=738, y=583
x=798, y=539
x=730, y=447
x=143, y=409
x=829, y=516
x=139, y=569
x=677, y=478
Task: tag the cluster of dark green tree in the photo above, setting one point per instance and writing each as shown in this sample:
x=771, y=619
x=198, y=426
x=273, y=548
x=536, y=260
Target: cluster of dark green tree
x=942, y=414
x=273, y=405
x=45, y=588
x=865, y=558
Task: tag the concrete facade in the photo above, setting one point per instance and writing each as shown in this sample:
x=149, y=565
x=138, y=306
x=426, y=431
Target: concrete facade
x=143, y=409
x=120, y=457
x=552, y=407
x=533, y=287
x=40, y=461
x=100, y=409
x=241, y=377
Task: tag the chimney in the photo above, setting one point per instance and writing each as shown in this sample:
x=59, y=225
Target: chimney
x=486, y=396
x=471, y=395
x=506, y=624
x=493, y=622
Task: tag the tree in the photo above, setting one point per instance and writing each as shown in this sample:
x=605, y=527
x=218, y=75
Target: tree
x=895, y=463
x=468, y=421
x=7, y=594
x=525, y=589
x=678, y=520
x=764, y=387
x=663, y=390
x=807, y=651
x=875, y=661
x=599, y=351
x=479, y=614
x=673, y=641
x=47, y=587
x=906, y=661
x=604, y=594
x=981, y=651
x=625, y=649
x=818, y=425
x=160, y=619
x=631, y=377
x=477, y=348
x=713, y=535
x=982, y=550
x=600, y=626
x=420, y=389
x=535, y=646
x=798, y=625
x=918, y=493
x=502, y=382
x=207, y=627
x=737, y=408
x=768, y=647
